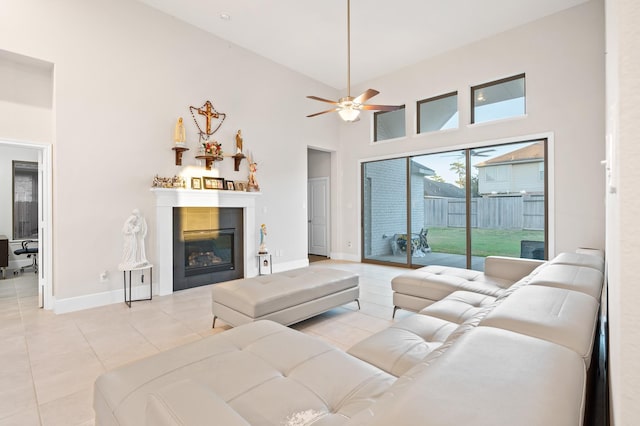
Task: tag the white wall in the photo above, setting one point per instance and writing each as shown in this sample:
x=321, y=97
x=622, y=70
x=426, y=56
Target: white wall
x=123, y=74
x=563, y=58
x=26, y=97
x=623, y=208
x=318, y=163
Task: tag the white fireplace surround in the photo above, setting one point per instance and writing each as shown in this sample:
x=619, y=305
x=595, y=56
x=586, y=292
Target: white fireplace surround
x=168, y=198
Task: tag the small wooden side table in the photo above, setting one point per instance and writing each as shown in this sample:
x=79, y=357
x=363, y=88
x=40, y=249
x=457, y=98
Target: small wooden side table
x=142, y=269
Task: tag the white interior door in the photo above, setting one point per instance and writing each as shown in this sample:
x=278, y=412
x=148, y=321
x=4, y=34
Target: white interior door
x=318, y=202
x=40, y=226
x=42, y=243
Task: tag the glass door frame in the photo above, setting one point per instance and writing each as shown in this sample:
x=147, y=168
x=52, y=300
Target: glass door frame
x=468, y=198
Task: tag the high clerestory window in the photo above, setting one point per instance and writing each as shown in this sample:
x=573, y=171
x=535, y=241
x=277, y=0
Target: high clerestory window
x=438, y=113
x=499, y=99
x=389, y=124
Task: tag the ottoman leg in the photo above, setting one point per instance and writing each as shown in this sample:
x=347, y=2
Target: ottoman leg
x=214, y=322
x=358, y=302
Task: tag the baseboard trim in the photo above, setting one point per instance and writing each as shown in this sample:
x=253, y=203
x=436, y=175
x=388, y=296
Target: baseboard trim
x=140, y=291
x=294, y=264
x=88, y=301
x=345, y=256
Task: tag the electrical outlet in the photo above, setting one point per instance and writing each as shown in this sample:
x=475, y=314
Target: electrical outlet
x=104, y=276
x=349, y=244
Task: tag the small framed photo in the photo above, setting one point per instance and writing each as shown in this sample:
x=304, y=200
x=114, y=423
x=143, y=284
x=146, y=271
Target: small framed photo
x=212, y=182
x=229, y=184
x=240, y=186
x=209, y=182
x=196, y=183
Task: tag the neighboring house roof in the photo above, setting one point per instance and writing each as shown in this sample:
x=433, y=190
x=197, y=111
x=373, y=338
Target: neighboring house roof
x=421, y=169
x=527, y=154
x=434, y=188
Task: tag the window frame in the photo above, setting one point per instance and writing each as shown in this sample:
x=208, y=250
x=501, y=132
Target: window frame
x=15, y=166
x=376, y=114
x=473, y=90
x=548, y=198
x=432, y=99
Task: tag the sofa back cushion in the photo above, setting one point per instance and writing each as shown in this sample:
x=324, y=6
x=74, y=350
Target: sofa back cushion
x=557, y=315
x=571, y=277
x=511, y=269
x=579, y=259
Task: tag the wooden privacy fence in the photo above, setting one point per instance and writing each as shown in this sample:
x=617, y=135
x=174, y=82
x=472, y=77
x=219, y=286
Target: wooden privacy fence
x=509, y=212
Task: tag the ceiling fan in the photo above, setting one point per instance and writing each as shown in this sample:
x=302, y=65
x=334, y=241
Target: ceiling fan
x=474, y=153
x=482, y=153
x=349, y=107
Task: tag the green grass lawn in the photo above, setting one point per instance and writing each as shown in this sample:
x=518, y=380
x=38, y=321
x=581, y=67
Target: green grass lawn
x=484, y=242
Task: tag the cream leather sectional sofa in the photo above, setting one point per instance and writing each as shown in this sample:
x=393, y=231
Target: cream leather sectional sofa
x=517, y=357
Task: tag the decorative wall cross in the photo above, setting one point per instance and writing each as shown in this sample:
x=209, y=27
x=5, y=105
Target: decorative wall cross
x=209, y=112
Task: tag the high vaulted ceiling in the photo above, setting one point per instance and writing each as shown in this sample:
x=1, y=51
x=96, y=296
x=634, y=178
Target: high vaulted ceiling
x=310, y=36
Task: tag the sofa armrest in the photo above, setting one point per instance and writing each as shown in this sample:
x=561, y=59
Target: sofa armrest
x=510, y=268
x=189, y=403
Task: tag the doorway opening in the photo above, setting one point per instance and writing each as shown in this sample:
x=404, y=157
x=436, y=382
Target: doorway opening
x=319, y=171
x=39, y=227
x=28, y=101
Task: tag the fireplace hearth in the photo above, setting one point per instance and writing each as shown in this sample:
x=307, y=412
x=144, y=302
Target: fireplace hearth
x=207, y=246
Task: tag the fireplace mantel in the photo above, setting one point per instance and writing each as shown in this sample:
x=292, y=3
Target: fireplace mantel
x=168, y=198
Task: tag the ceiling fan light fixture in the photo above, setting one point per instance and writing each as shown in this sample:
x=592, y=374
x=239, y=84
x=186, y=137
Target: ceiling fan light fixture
x=349, y=113
x=349, y=107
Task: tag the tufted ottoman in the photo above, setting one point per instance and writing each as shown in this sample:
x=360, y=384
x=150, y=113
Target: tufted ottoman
x=285, y=297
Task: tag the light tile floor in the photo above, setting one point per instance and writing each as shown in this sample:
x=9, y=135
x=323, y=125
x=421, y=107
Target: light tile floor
x=49, y=362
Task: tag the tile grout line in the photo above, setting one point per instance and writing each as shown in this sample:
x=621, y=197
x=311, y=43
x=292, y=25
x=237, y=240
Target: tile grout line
x=26, y=345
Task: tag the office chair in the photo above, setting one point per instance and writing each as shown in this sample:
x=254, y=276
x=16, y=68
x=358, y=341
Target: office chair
x=30, y=251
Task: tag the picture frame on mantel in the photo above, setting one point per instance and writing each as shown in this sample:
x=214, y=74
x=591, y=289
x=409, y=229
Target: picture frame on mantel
x=196, y=183
x=229, y=184
x=212, y=182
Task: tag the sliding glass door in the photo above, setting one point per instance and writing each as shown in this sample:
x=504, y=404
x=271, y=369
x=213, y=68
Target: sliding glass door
x=456, y=208
x=508, y=201
x=384, y=212
x=439, y=209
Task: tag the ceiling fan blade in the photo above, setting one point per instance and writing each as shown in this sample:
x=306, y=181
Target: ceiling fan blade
x=323, y=112
x=381, y=107
x=315, y=98
x=370, y=93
